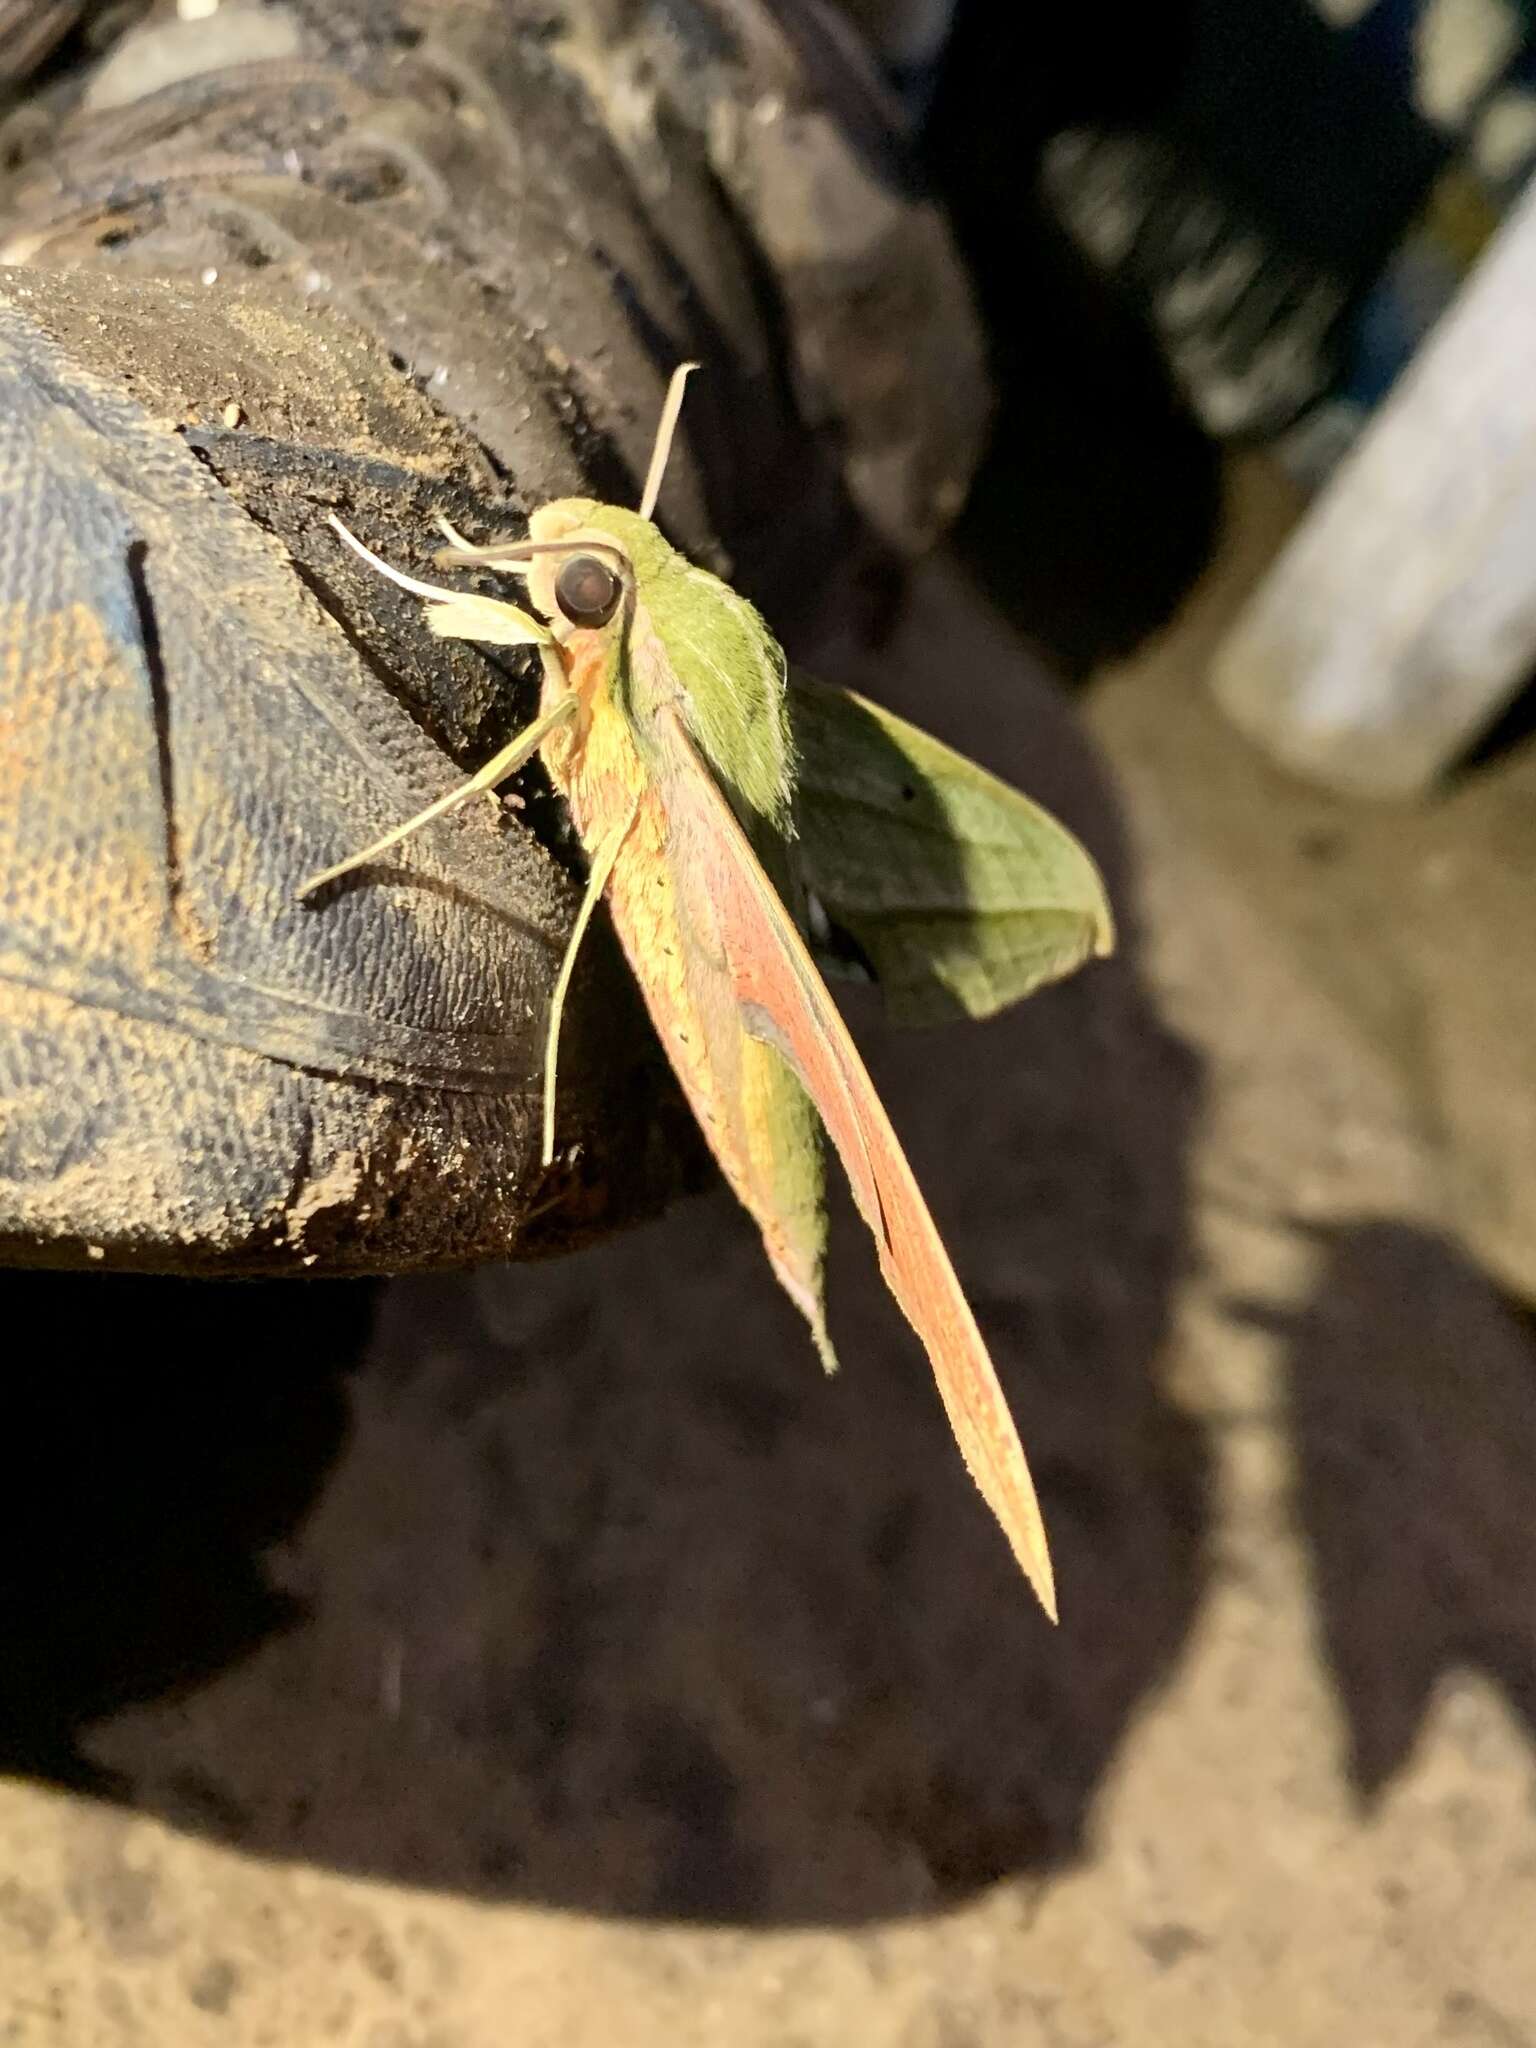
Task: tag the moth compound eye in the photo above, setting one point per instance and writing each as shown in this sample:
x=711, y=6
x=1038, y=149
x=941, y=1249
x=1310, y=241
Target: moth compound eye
x=588, y=591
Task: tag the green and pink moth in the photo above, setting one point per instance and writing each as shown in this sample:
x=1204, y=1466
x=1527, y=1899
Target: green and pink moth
x=716, y=796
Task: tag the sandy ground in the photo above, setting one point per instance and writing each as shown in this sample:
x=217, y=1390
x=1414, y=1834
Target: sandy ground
x=551, y=1657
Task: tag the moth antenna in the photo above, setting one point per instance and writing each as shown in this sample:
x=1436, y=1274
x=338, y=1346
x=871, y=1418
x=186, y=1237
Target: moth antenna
x=666, y=428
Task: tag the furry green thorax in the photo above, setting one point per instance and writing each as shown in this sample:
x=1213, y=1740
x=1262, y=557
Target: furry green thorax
x=712, y=642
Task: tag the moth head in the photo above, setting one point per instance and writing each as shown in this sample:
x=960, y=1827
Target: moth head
x=580, y=576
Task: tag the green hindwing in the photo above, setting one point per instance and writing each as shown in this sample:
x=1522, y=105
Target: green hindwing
x=962, y=895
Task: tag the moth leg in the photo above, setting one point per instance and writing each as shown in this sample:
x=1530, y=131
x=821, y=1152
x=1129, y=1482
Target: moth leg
x=518, y=750
x=455, y=539
x=497, y=554
x=597, y=882
x=457, y=614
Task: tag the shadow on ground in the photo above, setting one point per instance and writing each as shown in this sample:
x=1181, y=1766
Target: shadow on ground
x=603, y=1597
x=161, y=1436
x=1412, y=1400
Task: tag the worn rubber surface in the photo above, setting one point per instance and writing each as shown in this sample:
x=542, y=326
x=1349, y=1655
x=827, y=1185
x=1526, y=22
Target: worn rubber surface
x=191, y=1058
x=387, y=264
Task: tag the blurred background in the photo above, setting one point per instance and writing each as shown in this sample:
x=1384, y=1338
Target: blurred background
x=545, y=1653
